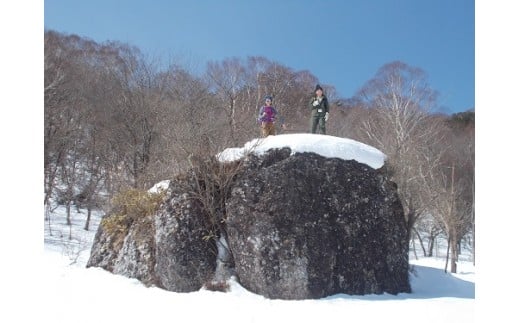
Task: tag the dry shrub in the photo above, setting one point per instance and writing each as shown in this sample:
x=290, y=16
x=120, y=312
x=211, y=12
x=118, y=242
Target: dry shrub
x=129, y=206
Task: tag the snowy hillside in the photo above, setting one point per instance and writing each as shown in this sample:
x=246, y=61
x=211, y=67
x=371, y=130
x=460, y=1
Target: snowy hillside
x=73, y=289
x=73, y=293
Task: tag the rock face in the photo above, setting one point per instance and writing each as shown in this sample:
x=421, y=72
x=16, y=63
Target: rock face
x=305, y=226
x=298, y=226
x=136, y=257
x=167, y=249
x=185, y=259
x=126, y=247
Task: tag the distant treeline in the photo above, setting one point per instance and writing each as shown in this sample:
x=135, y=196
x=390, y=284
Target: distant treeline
x=115, y=119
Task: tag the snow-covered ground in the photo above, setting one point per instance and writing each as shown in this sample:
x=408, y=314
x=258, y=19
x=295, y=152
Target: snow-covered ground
x=71, y=289
x=69, y=292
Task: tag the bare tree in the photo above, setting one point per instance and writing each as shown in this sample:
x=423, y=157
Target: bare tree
x=228, y=79
x=290, y=90
x=427, y=230
x=399, y=99
x=57, y=98
x=86, y=143
x=454, y=180
x=442, y=193
x=64, y=118
x=463, y=138
x=192, y=120
x=347, y=117
x=240, y=88
x=138, y=97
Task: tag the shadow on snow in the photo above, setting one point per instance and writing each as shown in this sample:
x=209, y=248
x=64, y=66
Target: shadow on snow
x=426, y=283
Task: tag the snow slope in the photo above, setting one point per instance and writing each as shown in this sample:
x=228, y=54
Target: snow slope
x=71, y=289
x=69, y=292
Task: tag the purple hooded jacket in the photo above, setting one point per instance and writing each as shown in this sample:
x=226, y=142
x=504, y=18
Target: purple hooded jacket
x=270, y=114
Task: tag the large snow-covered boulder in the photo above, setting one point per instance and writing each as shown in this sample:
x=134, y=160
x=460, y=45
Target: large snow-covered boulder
x=305, y=226
x=303, y=216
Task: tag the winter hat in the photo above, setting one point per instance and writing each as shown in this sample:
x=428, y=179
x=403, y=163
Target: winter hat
x=268, y=97
x=318, y=87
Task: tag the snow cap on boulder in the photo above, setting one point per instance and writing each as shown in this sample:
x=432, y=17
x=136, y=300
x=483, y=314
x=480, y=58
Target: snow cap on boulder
x=324, y=145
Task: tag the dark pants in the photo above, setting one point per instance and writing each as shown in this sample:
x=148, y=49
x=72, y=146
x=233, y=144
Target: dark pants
x=316, y=120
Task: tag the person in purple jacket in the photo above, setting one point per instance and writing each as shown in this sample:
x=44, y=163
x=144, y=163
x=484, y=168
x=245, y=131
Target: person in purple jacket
x=267, y=117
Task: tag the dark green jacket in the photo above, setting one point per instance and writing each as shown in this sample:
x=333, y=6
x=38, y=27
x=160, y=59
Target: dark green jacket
x=320, y=109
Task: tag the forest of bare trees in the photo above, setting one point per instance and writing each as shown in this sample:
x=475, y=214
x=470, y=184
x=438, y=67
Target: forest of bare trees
x=115, y=120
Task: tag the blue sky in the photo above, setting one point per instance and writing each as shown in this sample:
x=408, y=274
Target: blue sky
x=342, y=42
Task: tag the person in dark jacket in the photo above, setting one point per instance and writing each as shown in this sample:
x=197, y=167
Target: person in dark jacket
x=267, y=117
x=319, y=106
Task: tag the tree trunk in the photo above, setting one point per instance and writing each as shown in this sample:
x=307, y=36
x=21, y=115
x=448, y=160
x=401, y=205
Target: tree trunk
x=87, y=223
x=67, y=207
x=410, y=222
x=48, y=217
x=447, y=255
x=431, y=244
x=452, y=230
x=473, y=220
x=232, y=121
x=420, y=241
x=414, y=251
x=454, y=252
x=473, y=243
